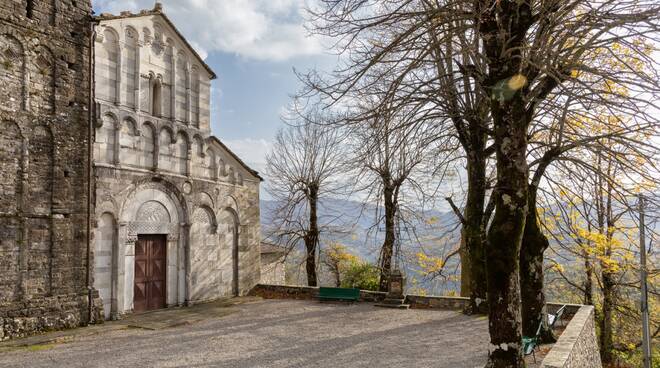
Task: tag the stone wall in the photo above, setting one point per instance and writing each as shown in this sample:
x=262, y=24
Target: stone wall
x=44, y=125
x=577, y=346
x=273, y=269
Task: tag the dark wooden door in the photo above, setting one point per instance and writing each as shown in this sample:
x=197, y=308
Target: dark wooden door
x=150, y=276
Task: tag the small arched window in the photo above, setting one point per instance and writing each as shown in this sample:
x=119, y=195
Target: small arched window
x=156, y=93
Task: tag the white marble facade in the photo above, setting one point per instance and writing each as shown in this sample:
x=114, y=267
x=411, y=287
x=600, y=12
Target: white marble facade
x=160, y=171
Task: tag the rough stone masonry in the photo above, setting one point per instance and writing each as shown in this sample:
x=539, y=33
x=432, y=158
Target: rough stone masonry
x=44, y=66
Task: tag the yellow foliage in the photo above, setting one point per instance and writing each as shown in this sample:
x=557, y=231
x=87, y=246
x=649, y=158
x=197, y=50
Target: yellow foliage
x=429, y=264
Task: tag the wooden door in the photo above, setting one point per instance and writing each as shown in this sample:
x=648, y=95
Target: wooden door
x=150, y=275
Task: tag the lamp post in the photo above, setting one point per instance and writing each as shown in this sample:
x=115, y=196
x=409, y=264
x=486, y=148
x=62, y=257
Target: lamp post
x=646, y=346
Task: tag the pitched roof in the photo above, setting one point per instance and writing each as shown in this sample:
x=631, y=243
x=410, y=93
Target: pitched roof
x=248, y=168
x=158, y=10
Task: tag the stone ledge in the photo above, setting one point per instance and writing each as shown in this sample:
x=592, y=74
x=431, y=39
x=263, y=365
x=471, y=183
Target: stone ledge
x=577, y=346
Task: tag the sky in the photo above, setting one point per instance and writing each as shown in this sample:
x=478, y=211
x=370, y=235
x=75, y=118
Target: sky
x=253, y=46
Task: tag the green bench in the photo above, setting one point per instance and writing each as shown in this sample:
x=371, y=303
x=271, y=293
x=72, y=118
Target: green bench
x=334, y=293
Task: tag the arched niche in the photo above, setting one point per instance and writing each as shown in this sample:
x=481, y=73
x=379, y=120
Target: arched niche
x=147, y=145
x=129, y=143
x=181, y=153
x=130, y=66
x=106, y=65
x=12, y=72
x=105, y=250
x=166, y=149
x=42, y=81
x=40, y=175
x=11, y=153
x=104, y=144
x=204, y=256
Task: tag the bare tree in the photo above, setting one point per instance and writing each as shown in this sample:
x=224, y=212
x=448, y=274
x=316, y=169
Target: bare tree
x=303, y=167
x=387, y=155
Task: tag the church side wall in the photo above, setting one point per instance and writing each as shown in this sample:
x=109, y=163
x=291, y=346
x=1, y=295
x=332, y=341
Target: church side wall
x=43, y=159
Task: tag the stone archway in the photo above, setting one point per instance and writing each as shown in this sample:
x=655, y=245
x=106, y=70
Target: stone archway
x=153, y=209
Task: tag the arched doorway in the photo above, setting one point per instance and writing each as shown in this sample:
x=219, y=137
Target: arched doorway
x=153, y=249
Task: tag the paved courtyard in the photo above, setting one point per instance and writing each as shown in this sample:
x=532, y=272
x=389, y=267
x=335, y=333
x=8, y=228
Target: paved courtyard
x=274, y=334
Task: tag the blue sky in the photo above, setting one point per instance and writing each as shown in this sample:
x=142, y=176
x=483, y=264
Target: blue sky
x=253, y=46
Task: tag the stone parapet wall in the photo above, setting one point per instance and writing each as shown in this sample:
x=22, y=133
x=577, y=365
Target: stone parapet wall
x=577, y=346
x=437, y=302
x=21, y=319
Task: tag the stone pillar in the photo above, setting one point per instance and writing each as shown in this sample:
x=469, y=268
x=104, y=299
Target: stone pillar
x=120, y=52
x=156, y=146
x=173, y=89
x=138, y=73
x=188, y=96
x=185, y=235
x=125, y=268
x=117, y=147
x=189, y=158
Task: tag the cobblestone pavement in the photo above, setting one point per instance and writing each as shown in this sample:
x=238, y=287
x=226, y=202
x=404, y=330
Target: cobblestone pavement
x=279, y=334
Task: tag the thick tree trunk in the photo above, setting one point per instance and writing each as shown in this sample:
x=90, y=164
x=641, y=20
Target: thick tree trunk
x=465, y=267
x=388, y=245
x=312, y=237
x=505, y=235
x=532, y=294
x=606, y=344
x=473, y=228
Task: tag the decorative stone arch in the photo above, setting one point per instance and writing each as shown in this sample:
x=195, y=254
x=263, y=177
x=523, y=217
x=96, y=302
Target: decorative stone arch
x=13, y=57
x=234, y=236
x=154, y=207
x=105, y=260
x=148, y=144
x=106, y=139
x=43, y=80
x=129, y=141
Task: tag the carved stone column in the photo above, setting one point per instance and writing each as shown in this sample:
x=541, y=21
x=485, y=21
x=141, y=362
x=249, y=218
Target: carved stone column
x=188, y=94
x=120, y=52
x=138, y=73
x=185, y=237
x=173, y=91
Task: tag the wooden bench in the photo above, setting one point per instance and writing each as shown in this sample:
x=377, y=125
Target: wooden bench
x=334, y=293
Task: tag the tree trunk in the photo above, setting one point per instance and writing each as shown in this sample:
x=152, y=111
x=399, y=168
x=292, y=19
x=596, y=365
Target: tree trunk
x=465, y=267
x=312, y=237
x=534, y=244
x=388, y=244
x=606, y=343
x=588, y=283
x=506, y=233
x=473, y=227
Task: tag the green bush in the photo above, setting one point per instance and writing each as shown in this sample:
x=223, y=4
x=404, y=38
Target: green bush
x=361, y=275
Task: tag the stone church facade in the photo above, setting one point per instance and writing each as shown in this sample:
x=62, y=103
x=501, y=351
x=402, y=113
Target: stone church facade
x=117, y=198
x=160, y=172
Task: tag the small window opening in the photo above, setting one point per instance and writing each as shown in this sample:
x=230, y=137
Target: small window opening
x=156, y=99
x=29, y=9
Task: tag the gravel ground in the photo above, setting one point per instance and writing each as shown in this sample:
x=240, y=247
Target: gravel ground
x=279, y=334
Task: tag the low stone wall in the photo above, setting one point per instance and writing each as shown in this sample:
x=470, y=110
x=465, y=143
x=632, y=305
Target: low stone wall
x=21, y=319
x=437, y=302
x=305, y=292
x=577, y=346
x=268, y=291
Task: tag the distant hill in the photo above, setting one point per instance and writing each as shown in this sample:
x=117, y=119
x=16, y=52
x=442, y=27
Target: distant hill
x=356, y=226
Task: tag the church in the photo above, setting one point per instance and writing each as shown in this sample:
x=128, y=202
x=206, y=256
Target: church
x=116, y=197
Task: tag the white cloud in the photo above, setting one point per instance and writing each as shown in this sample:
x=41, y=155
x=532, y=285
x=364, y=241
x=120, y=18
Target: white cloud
x=256, y=29
x=252, y=151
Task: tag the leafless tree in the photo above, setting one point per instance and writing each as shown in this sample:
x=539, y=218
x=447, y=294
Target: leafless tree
x=303, y=167
x=388, y=153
